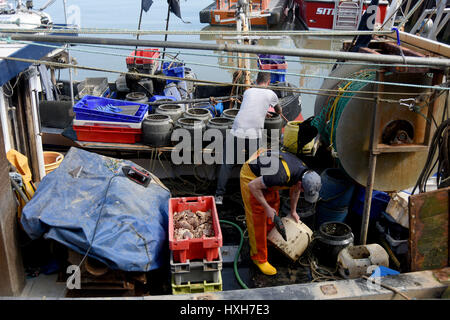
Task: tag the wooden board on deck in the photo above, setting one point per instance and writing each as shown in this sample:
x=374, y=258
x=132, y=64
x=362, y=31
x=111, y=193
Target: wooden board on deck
x=428, y=227
x=431, y=47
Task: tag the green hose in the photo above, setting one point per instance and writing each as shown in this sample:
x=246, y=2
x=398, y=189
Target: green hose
x=243, y=285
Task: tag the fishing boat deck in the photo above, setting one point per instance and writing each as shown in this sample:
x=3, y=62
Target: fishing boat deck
x=415, y=285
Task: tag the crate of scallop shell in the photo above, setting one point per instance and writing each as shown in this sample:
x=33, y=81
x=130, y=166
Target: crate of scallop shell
x=194, y=229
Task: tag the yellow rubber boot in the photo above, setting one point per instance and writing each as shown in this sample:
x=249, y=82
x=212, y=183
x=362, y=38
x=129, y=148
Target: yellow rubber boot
x=266, y=268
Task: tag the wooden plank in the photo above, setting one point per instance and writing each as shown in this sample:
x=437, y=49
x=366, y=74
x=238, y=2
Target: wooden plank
x=127, y=147
x=396, y=49
x=21, y=122
x=31, y=134
x=429, y=224
x=367, y=50
x=432, y=47
x=384, y=148
x=12, y=277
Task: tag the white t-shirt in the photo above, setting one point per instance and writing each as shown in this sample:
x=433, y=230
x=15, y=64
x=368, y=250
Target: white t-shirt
x=249, y=121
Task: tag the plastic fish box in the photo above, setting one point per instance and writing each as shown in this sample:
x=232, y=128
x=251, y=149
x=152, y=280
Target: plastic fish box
x=380, y=201
x=196, y=271
x=91, y=123
x=398, y=246
x=197, y=248
x=143, y=58
x=280, y=76
x=176, y=70
x=93, y=87
x=196, y=287
x=108, y=134
x=85, y=109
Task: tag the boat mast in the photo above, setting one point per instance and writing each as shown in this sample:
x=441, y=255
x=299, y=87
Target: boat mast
x=242, y=24
x=69, y=57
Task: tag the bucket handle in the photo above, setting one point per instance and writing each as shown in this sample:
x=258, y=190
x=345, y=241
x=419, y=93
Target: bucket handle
x=58, y=158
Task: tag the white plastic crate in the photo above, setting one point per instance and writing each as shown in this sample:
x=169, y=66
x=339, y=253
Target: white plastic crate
x=196, y=271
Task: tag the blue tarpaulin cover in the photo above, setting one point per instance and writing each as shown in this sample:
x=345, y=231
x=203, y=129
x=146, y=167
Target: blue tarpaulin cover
x=87, y=188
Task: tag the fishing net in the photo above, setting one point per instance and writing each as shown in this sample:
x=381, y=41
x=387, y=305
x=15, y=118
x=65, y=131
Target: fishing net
x=326, y=122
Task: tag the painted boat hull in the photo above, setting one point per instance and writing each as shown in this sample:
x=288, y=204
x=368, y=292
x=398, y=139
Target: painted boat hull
x=215, y=16
x=318, y=14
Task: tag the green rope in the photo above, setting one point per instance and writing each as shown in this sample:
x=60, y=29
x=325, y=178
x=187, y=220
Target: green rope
x=236, y=258
x=326, y=122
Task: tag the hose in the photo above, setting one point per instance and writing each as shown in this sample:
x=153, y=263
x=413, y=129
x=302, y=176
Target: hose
x=236, y=272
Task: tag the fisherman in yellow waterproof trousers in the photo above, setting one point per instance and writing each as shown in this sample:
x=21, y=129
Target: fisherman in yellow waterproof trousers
x=261, y=178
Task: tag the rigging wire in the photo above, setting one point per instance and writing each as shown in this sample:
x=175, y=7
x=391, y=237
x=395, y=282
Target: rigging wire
x=249, y=57
x=213, y=83
x=233, y=68
x=67, y=29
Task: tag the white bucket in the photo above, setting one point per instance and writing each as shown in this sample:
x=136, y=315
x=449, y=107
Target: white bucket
x=298, y=235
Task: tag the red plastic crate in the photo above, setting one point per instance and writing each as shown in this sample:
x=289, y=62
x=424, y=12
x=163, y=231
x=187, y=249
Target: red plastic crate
x=282, y=66
x=108, y=134
x=145, y=53
x=193, y=249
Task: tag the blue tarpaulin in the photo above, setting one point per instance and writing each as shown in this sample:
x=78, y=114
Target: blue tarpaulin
x=89, y=193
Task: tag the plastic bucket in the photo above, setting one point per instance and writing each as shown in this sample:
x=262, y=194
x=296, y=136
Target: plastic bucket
x=298, y=235
x=331, y=238
x=52, y=160
x=337, y=189
x=157, y=130
x=290, y=140
x=230, y=113
x=137, y=97
x=198, y=113
x=335, y=196
x=325, y=214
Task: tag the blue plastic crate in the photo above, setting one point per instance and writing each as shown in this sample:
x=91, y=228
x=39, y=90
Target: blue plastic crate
x=271, y=59
x=176, y=70
x=276, y=77
x=85, y=109
x=380, y=201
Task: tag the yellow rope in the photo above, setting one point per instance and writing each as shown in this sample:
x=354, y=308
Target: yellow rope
x=333, y=108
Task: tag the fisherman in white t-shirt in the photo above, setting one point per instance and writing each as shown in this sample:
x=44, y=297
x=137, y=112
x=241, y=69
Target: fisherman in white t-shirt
x=247, y=129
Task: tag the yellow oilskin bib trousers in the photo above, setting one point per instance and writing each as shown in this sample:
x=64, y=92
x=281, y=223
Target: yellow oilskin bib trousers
x=258, y=224
x=20, y=162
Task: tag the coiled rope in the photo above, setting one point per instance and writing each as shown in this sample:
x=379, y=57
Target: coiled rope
x=326, y=122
